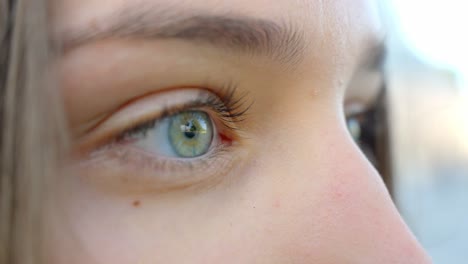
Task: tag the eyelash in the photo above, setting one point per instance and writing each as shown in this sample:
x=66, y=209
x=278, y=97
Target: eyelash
x=229, y=107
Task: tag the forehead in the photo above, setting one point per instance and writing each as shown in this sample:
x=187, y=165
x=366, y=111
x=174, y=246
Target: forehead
x=358, y=18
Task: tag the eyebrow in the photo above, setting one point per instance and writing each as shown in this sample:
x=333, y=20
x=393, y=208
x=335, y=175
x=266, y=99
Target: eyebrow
x=247, y=35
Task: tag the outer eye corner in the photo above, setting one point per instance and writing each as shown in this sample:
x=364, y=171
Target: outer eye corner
x=225, y=139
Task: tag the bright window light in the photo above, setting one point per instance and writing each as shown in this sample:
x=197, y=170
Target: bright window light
x=436, y=31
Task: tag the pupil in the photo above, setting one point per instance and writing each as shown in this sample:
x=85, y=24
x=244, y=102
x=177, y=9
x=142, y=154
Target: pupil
x=190, y=130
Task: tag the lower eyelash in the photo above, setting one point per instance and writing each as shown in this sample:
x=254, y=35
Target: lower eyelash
x=118, y=165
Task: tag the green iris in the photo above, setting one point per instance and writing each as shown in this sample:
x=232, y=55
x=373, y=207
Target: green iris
x=190, y=133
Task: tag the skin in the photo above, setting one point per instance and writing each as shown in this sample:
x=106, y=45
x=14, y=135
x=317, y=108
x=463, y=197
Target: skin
x=296, y=188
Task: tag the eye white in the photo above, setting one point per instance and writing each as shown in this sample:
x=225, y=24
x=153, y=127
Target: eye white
x=156, y=140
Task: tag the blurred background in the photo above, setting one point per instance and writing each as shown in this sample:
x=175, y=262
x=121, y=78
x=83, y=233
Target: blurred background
x=428, y=111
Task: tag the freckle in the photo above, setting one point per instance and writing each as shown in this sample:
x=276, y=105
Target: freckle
x=314, y=92
x=136, y=203
x=277, y=204
x=338, y=194
x=94, y=24
x=338, y=191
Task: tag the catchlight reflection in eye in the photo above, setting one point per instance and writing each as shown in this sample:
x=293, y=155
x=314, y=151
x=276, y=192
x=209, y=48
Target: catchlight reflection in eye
x=188, y=134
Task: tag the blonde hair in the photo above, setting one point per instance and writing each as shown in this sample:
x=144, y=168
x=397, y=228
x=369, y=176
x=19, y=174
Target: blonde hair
x=31, y=122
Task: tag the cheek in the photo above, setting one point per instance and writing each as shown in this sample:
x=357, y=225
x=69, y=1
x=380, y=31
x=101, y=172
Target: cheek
x=77, y=233
x=89, y=227
x=298, y=201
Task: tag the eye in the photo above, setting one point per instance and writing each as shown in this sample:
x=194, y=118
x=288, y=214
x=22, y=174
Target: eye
x=188, y=134
x=362, y=128
x=370, y=130
x=169, y=140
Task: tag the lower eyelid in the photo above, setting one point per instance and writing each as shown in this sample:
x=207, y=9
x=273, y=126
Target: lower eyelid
x=131, y=170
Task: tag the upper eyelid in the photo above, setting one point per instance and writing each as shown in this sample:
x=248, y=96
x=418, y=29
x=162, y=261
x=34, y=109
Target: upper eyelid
x=226, y=94
x=138, y=101
x=170, y=111
x=140, y=109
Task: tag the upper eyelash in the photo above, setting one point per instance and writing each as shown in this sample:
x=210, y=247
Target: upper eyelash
x=228, y=106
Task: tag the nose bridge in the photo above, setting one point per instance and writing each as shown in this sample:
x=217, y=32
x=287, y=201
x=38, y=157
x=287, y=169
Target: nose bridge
x=338, y=202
